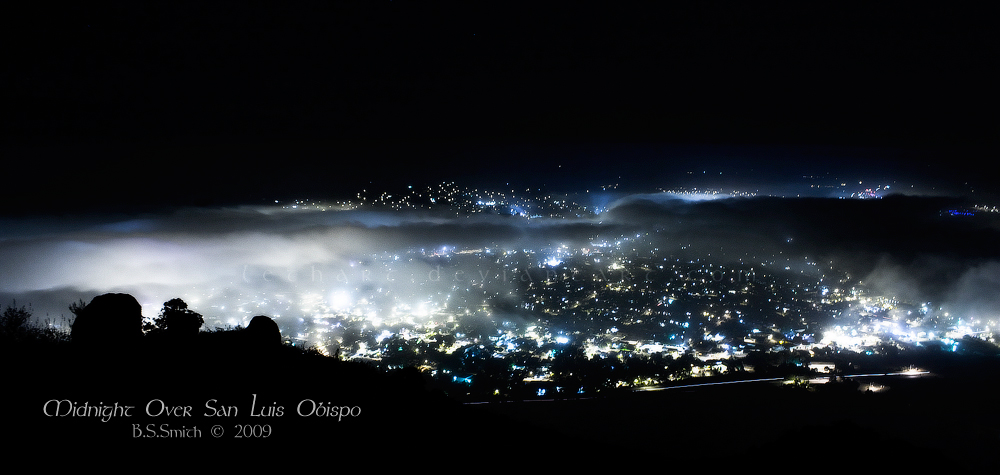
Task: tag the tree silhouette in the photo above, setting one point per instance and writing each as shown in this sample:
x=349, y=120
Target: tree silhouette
x=175, y=319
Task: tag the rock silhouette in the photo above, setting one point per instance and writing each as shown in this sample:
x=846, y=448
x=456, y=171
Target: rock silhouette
x=109, y=319
x=262, y=333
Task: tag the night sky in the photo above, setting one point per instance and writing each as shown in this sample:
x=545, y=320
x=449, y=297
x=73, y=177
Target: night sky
x=134, y=106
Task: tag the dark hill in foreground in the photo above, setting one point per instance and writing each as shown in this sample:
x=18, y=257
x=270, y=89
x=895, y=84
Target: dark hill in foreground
x=165, y=402
x=236, y=398
x=389, y=419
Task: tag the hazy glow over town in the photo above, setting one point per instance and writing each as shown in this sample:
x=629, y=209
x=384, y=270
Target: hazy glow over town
x=502, y=268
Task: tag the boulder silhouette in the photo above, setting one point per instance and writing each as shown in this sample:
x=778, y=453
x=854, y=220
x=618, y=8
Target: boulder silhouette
x=263, y=333
x=109, y=319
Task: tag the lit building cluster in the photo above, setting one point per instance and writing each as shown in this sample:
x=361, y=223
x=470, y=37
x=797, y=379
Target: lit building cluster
x=465, y=201
x=708, y=193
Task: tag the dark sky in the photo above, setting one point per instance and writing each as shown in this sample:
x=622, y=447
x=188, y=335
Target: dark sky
x=162, y=103
x=136, y=106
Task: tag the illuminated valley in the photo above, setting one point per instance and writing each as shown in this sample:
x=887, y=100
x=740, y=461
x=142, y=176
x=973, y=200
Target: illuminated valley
x=499, y=292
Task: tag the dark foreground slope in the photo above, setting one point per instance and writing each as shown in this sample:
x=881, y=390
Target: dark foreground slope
x=212, y=400
x=255, y=399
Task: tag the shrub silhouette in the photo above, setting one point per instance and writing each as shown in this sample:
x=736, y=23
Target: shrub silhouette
x=14, y=322
x=18, y=331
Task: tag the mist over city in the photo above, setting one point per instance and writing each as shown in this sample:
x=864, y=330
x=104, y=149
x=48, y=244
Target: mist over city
x=417, y=258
